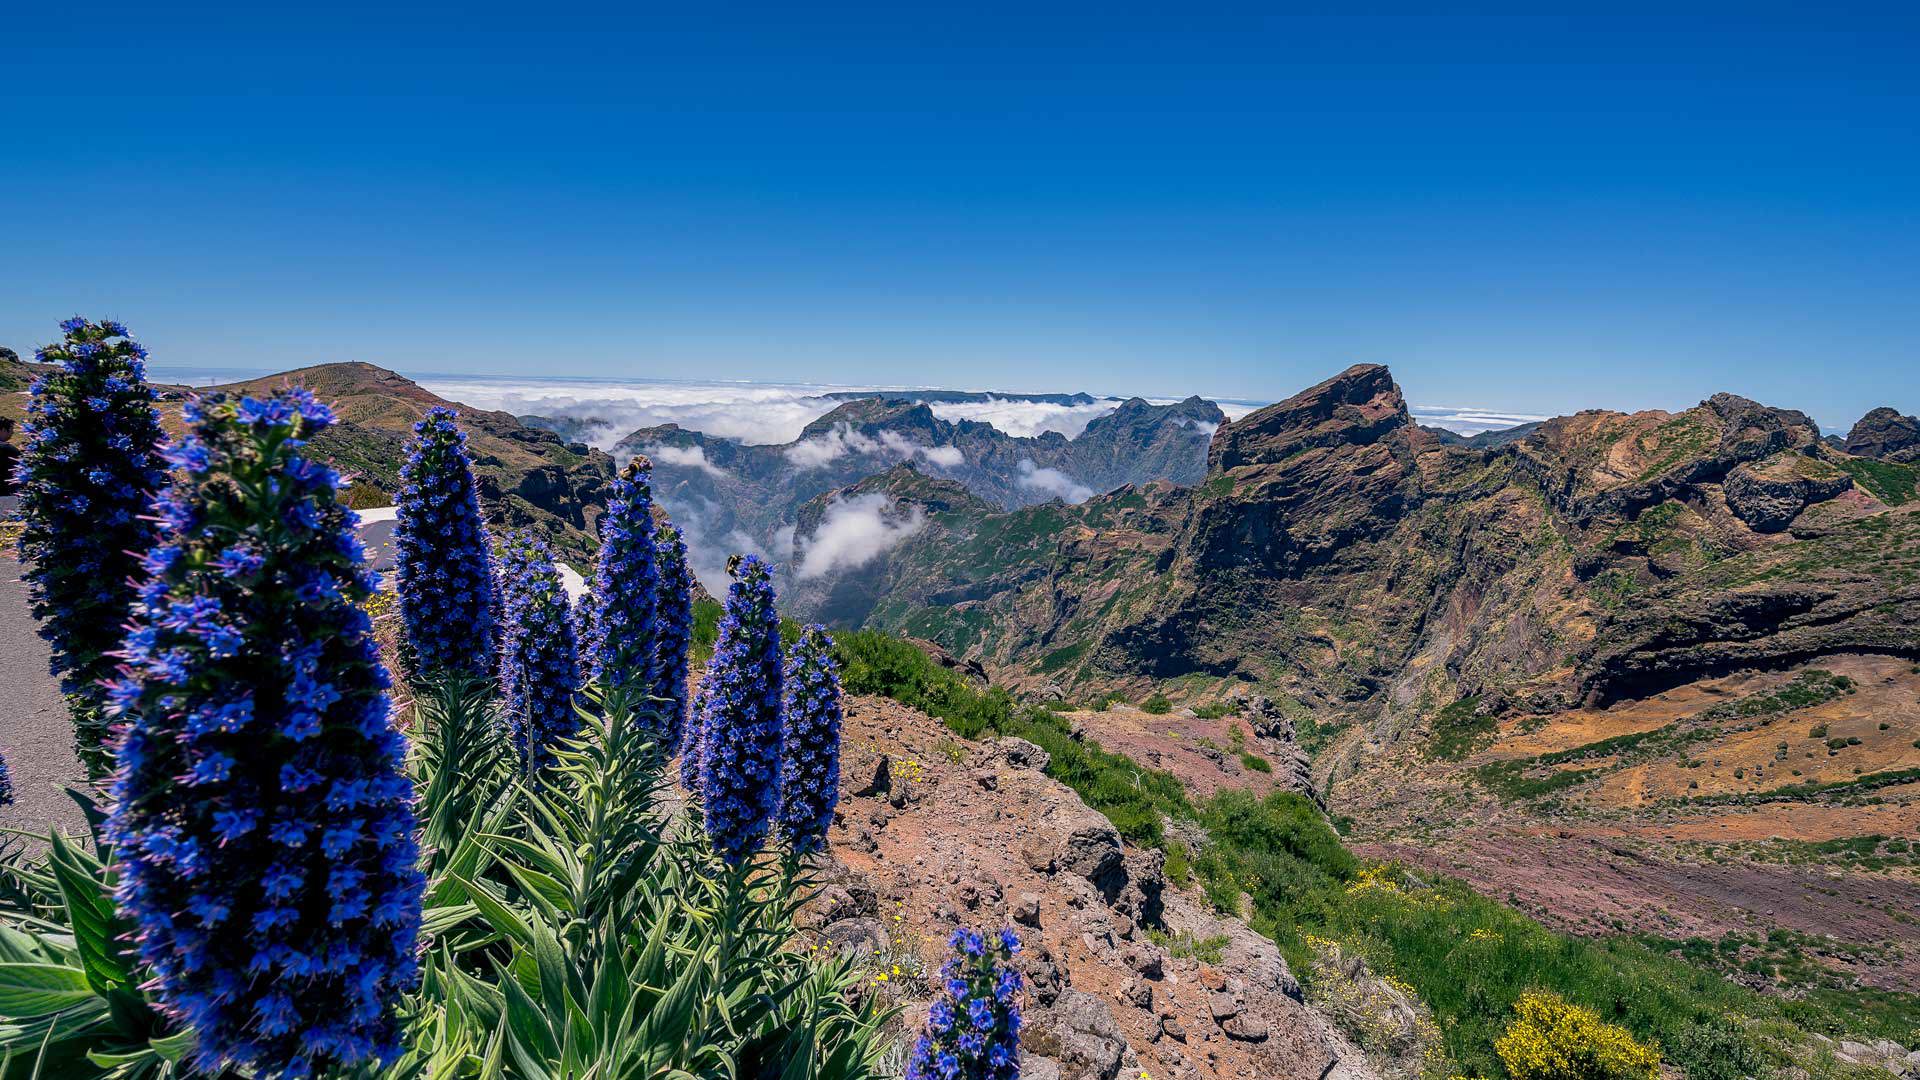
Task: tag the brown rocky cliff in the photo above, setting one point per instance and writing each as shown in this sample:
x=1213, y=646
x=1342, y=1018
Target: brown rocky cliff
x=935, y=832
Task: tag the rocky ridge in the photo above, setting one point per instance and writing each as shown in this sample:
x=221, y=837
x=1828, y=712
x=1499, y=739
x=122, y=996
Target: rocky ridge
x=933, y=832
x=1347, y=563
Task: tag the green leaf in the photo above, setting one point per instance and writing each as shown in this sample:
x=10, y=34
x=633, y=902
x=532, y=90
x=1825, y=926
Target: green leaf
x=38, y=989
x=96, y=925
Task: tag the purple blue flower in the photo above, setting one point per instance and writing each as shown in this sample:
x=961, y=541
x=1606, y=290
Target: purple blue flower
x=87, y=477
x=626, y=587
x=810, y=747
x=440, y=549
x=260, y=811
x=739, y=760
x=973, y=1027
x=539, y=670
x=674, y=639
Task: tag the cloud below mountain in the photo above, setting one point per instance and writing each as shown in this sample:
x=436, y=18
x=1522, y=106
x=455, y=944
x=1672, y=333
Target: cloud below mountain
x=854, y=532
x=692, y=457
x=822, y=450
x=755, y=413
x=1026, y=419
x=1052, y=482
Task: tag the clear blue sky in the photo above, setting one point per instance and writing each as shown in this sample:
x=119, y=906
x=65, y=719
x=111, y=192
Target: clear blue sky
x=1533, y=214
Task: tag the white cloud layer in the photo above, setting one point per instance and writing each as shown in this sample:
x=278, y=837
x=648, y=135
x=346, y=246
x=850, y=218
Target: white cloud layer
x=854, y=532
x=1466, y=421
x=1052, y=482
x=758, y=413
x=1026, y=419
x=822, y=450
x=693, y=457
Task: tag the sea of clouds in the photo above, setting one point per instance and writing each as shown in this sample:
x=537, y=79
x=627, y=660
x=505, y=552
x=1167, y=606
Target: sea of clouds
x=1470, y=421
x=757, y=413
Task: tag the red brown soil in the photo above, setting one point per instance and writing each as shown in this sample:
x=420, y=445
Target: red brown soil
x=965, y=834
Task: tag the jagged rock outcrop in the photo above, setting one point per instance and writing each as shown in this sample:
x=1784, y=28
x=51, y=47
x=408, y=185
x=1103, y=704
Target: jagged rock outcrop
x=1770, y=493
x=1885, y=434
x=1603, y=466
x=1280, y=739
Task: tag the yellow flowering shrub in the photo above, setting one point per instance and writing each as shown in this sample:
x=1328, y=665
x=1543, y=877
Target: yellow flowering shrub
x=1550, y=1039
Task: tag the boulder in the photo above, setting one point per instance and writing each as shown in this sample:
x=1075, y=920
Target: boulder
x=1079, y=1032
x=860, y=938
x=1022, y=754
x=1886, y=435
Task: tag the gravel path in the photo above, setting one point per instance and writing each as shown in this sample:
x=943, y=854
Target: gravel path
x=35, y=734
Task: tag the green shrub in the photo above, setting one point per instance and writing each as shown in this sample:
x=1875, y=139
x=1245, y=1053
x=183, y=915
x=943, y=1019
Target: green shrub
x=1158, y=705
x=1459, y=729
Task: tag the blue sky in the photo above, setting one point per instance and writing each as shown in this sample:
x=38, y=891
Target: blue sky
x=1535, y=215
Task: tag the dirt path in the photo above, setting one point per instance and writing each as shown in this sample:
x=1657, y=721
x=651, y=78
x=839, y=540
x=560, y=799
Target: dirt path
x=35, y=733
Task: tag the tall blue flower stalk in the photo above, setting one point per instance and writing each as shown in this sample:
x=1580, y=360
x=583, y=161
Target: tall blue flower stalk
x=626, y=587
x=973, y=1026
x=260, y=810
x=583, y=628
x=674, y=640
x=6, y=782
x=88, y=475
x=810, y=747
x=440, y=550
x=740, y=740
x=539, y=669
x=693, y=746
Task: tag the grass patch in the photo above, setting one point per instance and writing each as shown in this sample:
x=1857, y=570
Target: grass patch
x=1857, y=785
x=1890, y=482
x=1509, y=779
x=1460, y=729
x=1184, y=946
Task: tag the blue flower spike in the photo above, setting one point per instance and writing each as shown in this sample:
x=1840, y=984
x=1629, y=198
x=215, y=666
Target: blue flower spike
x=440, y=549
x=739, y=759
x=260, y=809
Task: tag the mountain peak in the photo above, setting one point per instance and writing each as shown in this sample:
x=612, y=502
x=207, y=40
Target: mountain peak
x=1359, y=406
x=894, y=414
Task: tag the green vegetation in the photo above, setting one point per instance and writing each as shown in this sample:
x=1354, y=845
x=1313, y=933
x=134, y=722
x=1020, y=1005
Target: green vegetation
x=1063, y=657
x=1158, y=704
x=1682, y=438
x=1510, y=780
x=1819, y=995
x=1891, y=483
x=1213, y=710
x=1858, y=785
x=1809, y=688
x=1460, y=729
x=1183, y=946
x=1469, y=958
